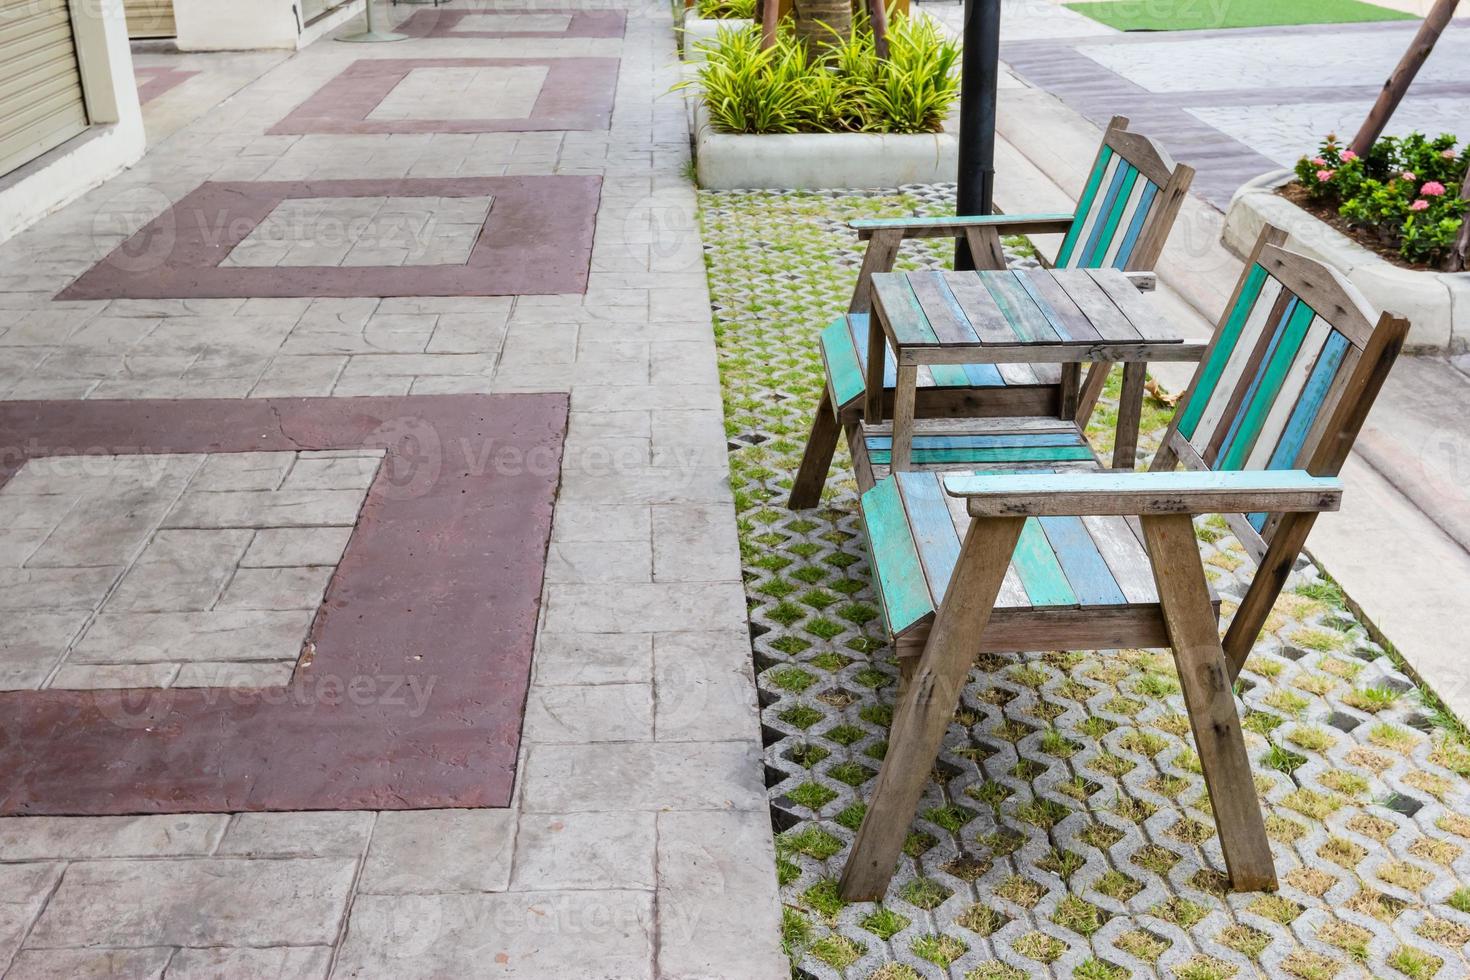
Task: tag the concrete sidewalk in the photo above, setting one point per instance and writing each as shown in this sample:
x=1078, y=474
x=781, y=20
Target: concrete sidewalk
x=637, y=842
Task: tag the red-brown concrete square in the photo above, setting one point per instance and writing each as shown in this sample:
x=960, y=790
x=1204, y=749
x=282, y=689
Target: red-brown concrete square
x=577, y=95
x=446, y=23
x=537, y=239
x=154, y=81
x=411, y=691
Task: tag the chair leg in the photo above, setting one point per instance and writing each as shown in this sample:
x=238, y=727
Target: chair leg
x=1205, y=678
x=1130, y=413
x=806, y=489
x=927, y=706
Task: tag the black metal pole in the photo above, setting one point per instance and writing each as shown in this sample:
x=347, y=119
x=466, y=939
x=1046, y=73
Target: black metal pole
x=980, y=72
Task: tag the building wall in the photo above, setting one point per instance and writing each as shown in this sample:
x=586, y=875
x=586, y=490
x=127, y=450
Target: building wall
x=115, y=139
x=231, y=25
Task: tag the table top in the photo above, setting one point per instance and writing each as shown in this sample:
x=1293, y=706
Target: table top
x=1024, y=314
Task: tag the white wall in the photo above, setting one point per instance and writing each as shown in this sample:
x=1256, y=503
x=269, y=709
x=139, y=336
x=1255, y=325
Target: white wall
x=245, y=25
x=114, y=141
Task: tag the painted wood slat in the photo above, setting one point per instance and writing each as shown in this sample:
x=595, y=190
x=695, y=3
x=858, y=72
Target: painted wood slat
x=1221, y=376
x=949, y=324
x=971, y=375
x=1125, y=556
x=980, y=441
x=1286, y=399
x=1267, y=389
x=988, y=322
x=1109, y=254
x=844, y=367
x=1142, y=312
x=1103, y=231
x=1087, y=574
x=1040, y=572
x=1213, y=369
x=1324, y=372
x=921, y=454
x=1012, y=593
x=895, y=558
x=980, y=307
x=1101, y=311
x=1159, y=483
x=1250, y=379
x=1053, y=300
x=905, y=318
x=942, y=310
x=1026, y=319
x=1086, y=213
x=933, y=530
x=1135, y=227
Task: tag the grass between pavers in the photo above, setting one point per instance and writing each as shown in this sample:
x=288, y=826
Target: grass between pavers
x=1066, y=827
x=1205, y=15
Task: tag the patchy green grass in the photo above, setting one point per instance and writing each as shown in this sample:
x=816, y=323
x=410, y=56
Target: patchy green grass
x=1197, y=15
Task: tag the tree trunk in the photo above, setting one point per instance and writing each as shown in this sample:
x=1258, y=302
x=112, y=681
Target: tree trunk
x=1398, y=82
x=821, y=23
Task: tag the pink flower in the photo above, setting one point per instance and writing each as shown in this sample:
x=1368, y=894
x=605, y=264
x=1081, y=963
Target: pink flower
x=1410, y=175
x=1432, y=189
x=1349, y=155
x=1448, y=154
x=1319, y=162
x=1323, y=176
x=1419, y=205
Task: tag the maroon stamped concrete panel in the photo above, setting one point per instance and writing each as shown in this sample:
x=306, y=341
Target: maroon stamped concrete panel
x=446, y=23
x=413, y=683
x=577, y=95
x=537, y=239
x=154, y=81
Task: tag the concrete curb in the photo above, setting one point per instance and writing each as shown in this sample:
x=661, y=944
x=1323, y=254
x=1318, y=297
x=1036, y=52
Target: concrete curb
x=814, y=161
x=701, y=30
x=1436, y=303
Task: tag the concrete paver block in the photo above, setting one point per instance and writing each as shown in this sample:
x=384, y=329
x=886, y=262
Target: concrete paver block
x=428, y=851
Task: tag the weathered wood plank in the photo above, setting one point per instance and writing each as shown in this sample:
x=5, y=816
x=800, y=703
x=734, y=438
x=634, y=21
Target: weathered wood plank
x=923, y=716
x=1087, y=573
x=1205, y=678
x=1126, y=494
x=1037, y=567
x=900, y=577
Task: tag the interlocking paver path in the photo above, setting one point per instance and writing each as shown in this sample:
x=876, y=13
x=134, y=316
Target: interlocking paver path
x=636, y=841
x=1065, y=830
x=1238, y=103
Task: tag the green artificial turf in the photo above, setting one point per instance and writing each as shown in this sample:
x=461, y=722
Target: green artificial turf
x=1199, y=15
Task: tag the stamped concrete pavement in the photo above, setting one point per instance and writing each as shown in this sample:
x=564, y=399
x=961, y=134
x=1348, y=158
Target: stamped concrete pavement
x=638, y=843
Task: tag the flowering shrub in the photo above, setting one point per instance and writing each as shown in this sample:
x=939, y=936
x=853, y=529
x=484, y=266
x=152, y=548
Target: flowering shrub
x=1405, y=190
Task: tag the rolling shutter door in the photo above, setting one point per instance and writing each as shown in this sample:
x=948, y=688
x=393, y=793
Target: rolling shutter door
x=150, y=18
x=41, y=102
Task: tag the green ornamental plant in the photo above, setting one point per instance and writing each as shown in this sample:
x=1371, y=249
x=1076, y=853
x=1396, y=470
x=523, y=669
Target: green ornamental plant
x=789, y=88
x=727, y=9
x=1405, y=191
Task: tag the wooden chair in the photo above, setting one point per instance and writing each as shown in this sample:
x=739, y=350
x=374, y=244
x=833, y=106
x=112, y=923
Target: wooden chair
x=978, y=561
x=1127, y=209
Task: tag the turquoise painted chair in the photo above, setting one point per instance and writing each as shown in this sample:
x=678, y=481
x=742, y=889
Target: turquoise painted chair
x=1128, y=206
x=1089, y=559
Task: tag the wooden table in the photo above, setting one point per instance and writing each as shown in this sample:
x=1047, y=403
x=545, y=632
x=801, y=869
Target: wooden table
x=1018, y=316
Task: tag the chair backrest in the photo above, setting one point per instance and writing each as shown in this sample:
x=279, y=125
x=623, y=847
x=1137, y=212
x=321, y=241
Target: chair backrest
x=1128, y=206
x=1295, y=363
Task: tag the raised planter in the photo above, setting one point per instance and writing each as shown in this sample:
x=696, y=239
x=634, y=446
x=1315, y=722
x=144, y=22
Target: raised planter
x=698, y=30
x=1436, y=303
x=817, y=161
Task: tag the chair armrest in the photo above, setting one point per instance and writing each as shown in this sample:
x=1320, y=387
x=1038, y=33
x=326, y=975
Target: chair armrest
x=1140, y=494
x=1014, y=224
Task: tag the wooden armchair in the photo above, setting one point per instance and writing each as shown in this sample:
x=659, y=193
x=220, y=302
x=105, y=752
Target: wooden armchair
x=978, y=561
x=1123, y=218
